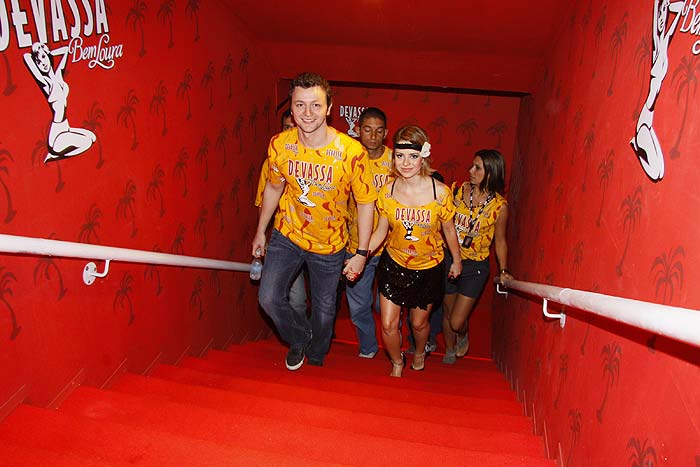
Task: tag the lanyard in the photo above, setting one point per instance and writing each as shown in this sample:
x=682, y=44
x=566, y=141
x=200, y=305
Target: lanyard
x=472, y=220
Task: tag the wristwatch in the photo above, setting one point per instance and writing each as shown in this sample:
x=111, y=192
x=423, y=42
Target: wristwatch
x=364, y=253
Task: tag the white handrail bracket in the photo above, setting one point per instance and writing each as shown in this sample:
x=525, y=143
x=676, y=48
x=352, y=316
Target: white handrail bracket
x=560, y=316
x=499, y=291
x=90, y=272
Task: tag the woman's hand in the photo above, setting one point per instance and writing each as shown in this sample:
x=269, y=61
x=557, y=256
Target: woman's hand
x=503, y=275
x=455, y=270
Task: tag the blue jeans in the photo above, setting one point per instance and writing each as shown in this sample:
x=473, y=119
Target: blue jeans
x=283, y=261
x=297, y=294
x=360, y=299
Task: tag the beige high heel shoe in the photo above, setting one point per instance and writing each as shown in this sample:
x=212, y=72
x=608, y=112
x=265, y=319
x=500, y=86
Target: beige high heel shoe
x=418, y=363
x=397, y=368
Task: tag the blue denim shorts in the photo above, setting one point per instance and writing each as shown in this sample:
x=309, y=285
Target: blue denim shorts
x=472, y=280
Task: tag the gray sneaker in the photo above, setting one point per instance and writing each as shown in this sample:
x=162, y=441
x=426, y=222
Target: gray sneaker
x=430, y=347
x=367, y=355
x=450, y=358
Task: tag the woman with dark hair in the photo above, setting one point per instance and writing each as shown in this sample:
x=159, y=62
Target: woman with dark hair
x=415, y=210
x=482, y=214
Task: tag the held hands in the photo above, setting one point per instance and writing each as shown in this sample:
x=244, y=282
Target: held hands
x=455, y=270
x=353, y=267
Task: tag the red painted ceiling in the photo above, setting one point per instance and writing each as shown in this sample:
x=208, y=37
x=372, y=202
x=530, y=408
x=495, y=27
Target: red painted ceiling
x=520, y=28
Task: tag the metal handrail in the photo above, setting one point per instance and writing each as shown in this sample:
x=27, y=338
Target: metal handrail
x=47, y=247
x=682, y=324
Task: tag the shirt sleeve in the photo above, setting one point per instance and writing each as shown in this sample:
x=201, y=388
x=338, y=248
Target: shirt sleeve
x=262, y=181
x=361, y=179
x=447, y=205
x=273, y=160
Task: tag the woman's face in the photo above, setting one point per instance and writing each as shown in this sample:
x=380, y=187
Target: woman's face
x=42, y=61
x=476, y=172
x=407, y=162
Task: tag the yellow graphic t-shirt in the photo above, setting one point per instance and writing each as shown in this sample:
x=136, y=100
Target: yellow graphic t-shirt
x=415, y=239
x=381, y=174
x=484, y=224
x=313, y=207
x=262, y=181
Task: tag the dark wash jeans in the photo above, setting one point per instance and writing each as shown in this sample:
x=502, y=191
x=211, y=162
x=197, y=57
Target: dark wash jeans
x=283, y=261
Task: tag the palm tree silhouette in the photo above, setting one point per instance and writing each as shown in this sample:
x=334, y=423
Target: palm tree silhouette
x=92, y=223
x=154, y=185
x=158, y=103
x=39, y=152
x=563, y=372
x=200, y=226
x=6, y=278
x=227, y=72
x=219, y=210
x=9, y=85
x=578, y=259
x=611, y=371
x=165, y=15
x=497, y=130
x=643, y=455
x=92, y=123
x=215, y=281
x=192, y=11
x=152, y=271
x=234, y=195
x=437, y=125
x=253, y=120
x=135, y=18
x=685, y=72
x=202, y=154
x=207, y=81
x=267, y=108
x=6, y=157
x=448, y=170
x=616, y=41
x=632, y=209
x=177, y=247
x=237, y=131
x=126, y=115
x=588, y=142
x=196, y=297
x=597, y=34
x=668, y=271
x=122, y=296
x=585, y=19
x=125, y=207
x=578, y=116
x=221, y=143
x=605, y=171
x=641, y=59
x=468, y=126
x=243, y=65
x=575, y=426
x=180, y=169
x=183, y=90
x=43, y=269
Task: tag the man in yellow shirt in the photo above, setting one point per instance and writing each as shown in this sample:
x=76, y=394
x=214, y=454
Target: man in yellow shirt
x=312, y=171
x=373, y=131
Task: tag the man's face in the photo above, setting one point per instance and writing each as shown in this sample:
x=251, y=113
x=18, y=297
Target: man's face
x=287, y=123
x=309, y=108
x=372, y=133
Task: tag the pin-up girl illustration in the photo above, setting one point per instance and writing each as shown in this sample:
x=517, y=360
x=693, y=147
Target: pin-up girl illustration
x=63, y=141
x=645, y=143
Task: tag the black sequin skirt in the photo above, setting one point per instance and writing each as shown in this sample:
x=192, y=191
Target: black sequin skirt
x=408, y=287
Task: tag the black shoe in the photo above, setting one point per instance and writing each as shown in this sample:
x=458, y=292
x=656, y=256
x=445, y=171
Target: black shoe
x=295, y=359
x=315, y=362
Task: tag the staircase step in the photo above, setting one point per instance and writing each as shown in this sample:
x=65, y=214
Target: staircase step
x=94, y=436
x=474, y=413
x=391, y=424
x=367, y=371
x=479, y=373
x=14, y=455
x=321, y=444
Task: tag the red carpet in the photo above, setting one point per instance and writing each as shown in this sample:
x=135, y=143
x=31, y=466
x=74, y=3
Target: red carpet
x=242, y=407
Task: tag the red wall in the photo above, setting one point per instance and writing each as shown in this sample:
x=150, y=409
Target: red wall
x=586, y=216
x=458, y=125
x=182, y=122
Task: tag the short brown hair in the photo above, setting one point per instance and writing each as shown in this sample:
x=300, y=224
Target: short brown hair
x=308, y=80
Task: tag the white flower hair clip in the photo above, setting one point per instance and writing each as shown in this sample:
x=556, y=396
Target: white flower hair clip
x=425, y=150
